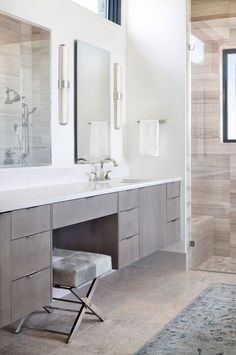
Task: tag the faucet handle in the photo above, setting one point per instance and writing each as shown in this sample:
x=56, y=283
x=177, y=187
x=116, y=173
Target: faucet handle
x=93, y=176
x=107, y=177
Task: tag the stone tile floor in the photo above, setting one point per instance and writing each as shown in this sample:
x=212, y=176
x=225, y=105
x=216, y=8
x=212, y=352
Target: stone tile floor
x=137, y=301
x=219, y=264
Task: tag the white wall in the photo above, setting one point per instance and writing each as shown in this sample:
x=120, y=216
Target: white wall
x=156, y=85
x=156, y=52
x=68, y=21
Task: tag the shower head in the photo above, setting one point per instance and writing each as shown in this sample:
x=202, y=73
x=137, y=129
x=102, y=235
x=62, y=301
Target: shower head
x=15, y=98
x=32, y=111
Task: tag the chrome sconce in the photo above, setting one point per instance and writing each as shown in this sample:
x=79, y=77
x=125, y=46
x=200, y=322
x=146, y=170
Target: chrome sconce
x=117, y=96
x=63, y=84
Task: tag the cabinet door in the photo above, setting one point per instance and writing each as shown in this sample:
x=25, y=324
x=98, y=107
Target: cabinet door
x=5, y=270
x=152, y=209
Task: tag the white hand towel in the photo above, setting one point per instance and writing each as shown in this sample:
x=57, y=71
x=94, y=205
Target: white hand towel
x=149, y=138
x=99, y=138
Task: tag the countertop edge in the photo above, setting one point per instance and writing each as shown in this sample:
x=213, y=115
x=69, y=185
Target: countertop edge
x=40, y=201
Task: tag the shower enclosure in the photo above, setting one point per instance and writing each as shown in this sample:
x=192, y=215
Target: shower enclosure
x=24, y=94
x=213, y=121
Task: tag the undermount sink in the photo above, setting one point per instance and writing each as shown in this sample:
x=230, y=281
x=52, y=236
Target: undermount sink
x=131, y=181
x=118, y=181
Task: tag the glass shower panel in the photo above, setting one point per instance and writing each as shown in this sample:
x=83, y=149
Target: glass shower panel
x=24, y=94
x=213, y=163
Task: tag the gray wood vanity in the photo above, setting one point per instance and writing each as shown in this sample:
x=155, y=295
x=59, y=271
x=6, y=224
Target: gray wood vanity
x=128, y=225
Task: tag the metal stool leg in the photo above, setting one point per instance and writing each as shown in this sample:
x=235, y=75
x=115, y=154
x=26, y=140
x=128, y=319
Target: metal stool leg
x=46, y=309
x=82, y=311
x=20, y=325
x=94, y=309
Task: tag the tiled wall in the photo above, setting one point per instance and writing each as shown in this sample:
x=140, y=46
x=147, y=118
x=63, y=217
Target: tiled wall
x=213, y=163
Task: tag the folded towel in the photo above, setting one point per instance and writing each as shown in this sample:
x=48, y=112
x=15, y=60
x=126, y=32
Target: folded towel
x=99, y=138
x=149, y=138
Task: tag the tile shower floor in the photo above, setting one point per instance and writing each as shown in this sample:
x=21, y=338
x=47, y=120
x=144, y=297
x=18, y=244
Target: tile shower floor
x=219, y=264
x=138, y=301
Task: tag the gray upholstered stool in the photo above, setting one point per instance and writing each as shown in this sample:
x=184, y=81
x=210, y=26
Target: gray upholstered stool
x=71, y=269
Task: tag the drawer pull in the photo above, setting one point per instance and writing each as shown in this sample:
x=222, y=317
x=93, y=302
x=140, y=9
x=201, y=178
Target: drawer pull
x=33, y=275
x=131, y=237
x=173, y=220
x=31, y=236
x=129, y=209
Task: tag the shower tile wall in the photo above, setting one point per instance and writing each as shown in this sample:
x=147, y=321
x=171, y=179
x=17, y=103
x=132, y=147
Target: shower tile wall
x=25, y=67
x=9, y=74
x=41, y=99
x=213, y=163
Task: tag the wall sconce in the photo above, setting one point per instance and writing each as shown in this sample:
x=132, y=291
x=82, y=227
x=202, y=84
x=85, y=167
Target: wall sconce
x=117, y=96
x=63, y=84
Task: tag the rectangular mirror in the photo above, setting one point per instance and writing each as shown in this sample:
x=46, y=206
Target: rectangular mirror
x=92, y=103
x=25, y=138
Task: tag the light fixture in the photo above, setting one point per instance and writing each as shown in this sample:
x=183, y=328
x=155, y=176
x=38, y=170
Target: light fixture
x=117, y=96
x=63, y=84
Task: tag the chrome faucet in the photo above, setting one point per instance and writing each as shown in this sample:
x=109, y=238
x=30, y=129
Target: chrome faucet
x=107, y=160
x=103, y=176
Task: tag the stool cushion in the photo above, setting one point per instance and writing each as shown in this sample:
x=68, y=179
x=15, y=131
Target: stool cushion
x=74, y=268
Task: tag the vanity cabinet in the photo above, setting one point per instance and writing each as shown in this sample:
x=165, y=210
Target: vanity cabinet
x=83, y=209
x=30, y=293
x=128, y=225
x=173, y=213
x=152, y=214
x=25, y=262
x=5, y=269
x=29, y=221
x=35, y=249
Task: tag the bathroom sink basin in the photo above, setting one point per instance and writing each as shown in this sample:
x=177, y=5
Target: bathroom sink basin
x=131, y=181
x=116, y=182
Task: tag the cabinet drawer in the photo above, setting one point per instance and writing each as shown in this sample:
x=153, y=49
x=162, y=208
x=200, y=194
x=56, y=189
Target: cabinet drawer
x=30, y=221
x=173, y=189
x=128, y=251
x=5, y=269
x=128, y=199
x=173, y=231
x=128, y=223
x=31, y=293
x=84, y=209
x=30, y=254
x=173, y=209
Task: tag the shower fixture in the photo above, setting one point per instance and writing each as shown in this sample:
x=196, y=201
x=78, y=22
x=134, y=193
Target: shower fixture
x=22, y=131
x=15, y=98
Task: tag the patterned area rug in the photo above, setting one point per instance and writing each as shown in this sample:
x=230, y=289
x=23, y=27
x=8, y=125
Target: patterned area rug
x=207, y=326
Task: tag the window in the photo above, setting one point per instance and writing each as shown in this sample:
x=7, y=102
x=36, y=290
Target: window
x=109, y=9
x=229, y=95
x=98, y=6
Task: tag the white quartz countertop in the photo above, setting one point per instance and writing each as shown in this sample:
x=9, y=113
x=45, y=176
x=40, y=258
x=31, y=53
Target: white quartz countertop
x=36, y=196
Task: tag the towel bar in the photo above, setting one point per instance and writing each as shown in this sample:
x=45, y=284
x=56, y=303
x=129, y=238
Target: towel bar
x=91, y=122
x=160, y=121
